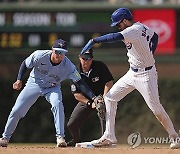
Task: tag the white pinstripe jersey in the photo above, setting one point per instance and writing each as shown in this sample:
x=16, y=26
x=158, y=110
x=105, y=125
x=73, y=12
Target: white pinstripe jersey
x=137, y=39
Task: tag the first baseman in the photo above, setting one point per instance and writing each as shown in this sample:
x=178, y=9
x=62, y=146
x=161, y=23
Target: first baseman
x=141, y=43
x=49, y=69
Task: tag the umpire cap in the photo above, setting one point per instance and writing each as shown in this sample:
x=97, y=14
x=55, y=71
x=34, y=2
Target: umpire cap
x=120, y=14
x=87, y=55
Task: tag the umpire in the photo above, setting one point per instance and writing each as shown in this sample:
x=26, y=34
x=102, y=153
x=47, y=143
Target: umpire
x=99, y=79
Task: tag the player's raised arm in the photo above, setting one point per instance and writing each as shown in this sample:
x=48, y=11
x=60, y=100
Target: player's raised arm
x=122, y=18
x=108, y=38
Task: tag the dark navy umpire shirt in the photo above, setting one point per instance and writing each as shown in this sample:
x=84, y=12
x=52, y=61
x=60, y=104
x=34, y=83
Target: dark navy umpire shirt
x=96, y=78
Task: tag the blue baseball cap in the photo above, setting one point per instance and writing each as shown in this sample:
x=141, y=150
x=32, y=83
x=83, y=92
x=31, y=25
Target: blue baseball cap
x=120, y=14
x=60, y=46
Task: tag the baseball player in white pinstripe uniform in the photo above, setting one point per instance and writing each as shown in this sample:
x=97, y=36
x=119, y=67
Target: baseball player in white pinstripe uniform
x=141, y=43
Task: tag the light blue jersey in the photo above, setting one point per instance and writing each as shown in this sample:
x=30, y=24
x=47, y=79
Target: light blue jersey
x=44, y=80
x=45, y=74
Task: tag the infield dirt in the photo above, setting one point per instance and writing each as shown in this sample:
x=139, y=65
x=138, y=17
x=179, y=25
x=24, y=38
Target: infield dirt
x=51, y=149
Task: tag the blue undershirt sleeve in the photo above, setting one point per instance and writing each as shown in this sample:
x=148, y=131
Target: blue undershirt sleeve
x=154, y=42
x=109, y=38
x=84, y=88
x=22, y=71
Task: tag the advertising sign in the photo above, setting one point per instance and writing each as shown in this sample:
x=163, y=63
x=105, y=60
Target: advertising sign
x=163, y=22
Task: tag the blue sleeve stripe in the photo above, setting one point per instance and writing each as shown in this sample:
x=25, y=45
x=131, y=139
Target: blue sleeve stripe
x=84, y=88
x=22, y=71
x=109, y=38
x=154, y=41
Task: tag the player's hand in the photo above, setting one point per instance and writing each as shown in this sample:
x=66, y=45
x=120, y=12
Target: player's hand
x=87, y=46
x=17, y=85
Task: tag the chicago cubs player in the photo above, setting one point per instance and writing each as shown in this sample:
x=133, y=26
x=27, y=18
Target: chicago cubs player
x=141, y=43
x=49, y=68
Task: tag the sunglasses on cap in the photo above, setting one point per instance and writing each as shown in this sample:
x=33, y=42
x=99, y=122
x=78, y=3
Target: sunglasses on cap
x=87, y=58
x=59, y=52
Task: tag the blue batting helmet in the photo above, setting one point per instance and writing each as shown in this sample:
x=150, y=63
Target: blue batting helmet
x=120, y=14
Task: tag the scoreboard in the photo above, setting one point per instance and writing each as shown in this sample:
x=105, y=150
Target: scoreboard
x=38, y=30
x=41, y=29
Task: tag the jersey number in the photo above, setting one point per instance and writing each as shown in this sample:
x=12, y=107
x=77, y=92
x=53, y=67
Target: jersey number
x=144, y=34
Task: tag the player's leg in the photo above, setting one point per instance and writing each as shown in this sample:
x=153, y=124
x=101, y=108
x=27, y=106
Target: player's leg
x=119, y=90
x=148, y=87
x=24, y=101
x=54, y=97
x=79, y=115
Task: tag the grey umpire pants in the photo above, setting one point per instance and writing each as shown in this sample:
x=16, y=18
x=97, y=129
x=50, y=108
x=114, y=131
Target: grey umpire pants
x=79, y=115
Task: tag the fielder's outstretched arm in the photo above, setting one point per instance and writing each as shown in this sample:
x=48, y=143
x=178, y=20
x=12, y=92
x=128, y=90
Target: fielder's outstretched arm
x=85, y=89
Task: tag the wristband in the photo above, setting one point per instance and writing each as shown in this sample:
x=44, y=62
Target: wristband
x=89, y=103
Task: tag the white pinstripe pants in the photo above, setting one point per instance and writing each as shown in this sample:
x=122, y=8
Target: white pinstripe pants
x=146, y=83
